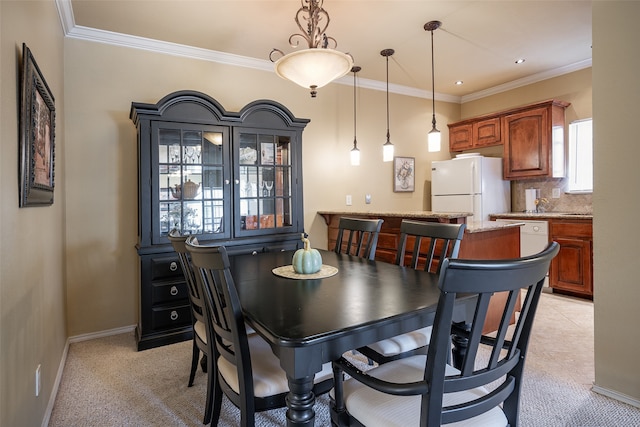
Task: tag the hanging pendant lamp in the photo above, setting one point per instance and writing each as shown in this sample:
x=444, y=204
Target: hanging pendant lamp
x=318, y=65
x=355, y=152
x=434, y=136
x=387, y=148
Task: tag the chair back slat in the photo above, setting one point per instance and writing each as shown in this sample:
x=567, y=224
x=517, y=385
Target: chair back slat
x=443, y=242
x=358, y=237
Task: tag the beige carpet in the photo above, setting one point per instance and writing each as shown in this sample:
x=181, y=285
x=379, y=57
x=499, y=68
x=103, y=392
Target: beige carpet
x=107, y=382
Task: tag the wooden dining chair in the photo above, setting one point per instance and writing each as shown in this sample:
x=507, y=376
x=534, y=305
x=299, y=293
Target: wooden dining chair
x=358, y=236
x=247, y=371
x=441, y=241
x=200, y=339
x=425, y=390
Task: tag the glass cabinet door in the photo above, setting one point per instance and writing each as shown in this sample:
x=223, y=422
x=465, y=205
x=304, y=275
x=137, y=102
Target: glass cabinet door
x=191, y=181
x=263, y=182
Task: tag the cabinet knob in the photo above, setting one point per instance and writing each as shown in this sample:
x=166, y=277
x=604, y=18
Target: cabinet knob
x=174, y=315
x=173, y=266
x=174, y=291
x=237, y=181
x=254, y=253
x=226, y=181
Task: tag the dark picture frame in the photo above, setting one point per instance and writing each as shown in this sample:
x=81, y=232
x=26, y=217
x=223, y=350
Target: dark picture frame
x=37, y=135
x=404, y=174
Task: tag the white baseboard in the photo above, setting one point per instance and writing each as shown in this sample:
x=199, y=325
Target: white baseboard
x=63, y=361
x=616, y=395
x=101, y=334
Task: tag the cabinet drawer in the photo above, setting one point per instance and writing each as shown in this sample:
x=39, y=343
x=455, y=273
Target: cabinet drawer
x=572, y=229
x=168, y=317
x=169, y=292
x=165, y=267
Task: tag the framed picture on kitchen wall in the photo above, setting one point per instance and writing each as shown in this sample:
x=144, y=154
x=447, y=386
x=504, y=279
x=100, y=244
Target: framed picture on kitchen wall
x=37, y=135
x=404, y=178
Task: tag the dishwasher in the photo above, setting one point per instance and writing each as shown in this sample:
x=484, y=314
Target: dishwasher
x=534, y=237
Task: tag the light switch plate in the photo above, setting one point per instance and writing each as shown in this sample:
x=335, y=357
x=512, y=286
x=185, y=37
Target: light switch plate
x=367, y=198
x=348, y=201
x=555, y=194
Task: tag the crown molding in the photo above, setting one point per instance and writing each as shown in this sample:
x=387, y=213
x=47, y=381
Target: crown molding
x=72, y=30
x=535, y=78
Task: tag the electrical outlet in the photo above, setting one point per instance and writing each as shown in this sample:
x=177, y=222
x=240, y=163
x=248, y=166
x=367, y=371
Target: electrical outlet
x=38, y=381
x=555, y=193
x=348, y=199
x=367, y=198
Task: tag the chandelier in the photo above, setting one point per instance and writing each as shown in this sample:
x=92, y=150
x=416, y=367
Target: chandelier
x=318, y=65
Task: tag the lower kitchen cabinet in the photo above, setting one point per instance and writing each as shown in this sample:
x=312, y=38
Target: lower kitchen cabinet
x=571, y=270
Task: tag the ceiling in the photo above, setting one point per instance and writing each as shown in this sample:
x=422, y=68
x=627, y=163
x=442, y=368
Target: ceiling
x=478, y=43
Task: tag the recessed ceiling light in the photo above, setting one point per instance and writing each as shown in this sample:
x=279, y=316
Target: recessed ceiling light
x=459, y=82
x=520, y=61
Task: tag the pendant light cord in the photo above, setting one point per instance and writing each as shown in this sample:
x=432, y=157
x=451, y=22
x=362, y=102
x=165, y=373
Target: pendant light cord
x=388, y=135
x=433, y=84
x=354, y=110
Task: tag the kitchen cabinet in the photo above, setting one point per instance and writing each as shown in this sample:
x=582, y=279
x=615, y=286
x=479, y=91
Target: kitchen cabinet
x=571, y=269
x=475, y=133
x=534, y=141
x=232, y=179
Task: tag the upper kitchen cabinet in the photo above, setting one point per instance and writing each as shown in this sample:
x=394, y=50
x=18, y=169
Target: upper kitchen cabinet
x=534, y=141
x=475, y=133
x=232, y=179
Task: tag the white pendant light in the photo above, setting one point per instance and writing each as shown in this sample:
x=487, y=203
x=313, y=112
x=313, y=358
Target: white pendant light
x=355, y=152
x=318, y=65
x=434, y=136
x=387, y=148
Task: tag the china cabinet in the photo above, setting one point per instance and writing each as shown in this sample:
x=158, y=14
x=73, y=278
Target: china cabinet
x=232, y=179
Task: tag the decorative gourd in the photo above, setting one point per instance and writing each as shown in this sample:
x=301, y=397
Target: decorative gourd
x=306, y=260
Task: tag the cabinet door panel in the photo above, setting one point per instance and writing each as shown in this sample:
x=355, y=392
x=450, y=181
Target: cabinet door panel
x=527, y=143
x=460, y=137
x=571, y=269
x=190, y=173
x=487, y=132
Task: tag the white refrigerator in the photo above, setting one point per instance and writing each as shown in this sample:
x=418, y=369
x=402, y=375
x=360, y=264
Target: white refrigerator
x=470, y=184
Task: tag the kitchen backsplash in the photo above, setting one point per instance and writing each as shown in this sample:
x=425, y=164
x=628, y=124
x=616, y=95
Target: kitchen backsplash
x=575, y=203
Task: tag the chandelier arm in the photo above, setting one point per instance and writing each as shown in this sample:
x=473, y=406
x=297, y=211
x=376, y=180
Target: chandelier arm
x=274, y=50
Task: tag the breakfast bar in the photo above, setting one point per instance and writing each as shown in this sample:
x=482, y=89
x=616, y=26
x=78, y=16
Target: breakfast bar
x=482, y=239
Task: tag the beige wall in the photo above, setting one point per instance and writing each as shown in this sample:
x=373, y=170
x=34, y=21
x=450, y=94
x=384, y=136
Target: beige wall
x=32, y=304
x=616, y=108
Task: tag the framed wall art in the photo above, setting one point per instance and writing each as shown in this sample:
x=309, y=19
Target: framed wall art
x=37, y=135
x=404, y=178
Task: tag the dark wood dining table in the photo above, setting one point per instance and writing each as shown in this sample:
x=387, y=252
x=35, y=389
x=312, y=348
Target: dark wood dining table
x=309, y=322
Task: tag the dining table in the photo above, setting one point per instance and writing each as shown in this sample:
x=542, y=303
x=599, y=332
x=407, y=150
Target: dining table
x=309, y=321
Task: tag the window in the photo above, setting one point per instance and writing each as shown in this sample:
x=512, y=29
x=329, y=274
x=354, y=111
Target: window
x=581, y=156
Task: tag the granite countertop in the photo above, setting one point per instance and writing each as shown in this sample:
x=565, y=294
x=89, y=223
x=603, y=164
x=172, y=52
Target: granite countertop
x=482, y=226
x=403, y=214
x=542, y=215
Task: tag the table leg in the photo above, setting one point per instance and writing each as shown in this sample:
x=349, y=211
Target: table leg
x=300, y=401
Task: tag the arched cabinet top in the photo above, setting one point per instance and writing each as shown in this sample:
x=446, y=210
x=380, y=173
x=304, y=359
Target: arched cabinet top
x=198, y=107
x=269, y=113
